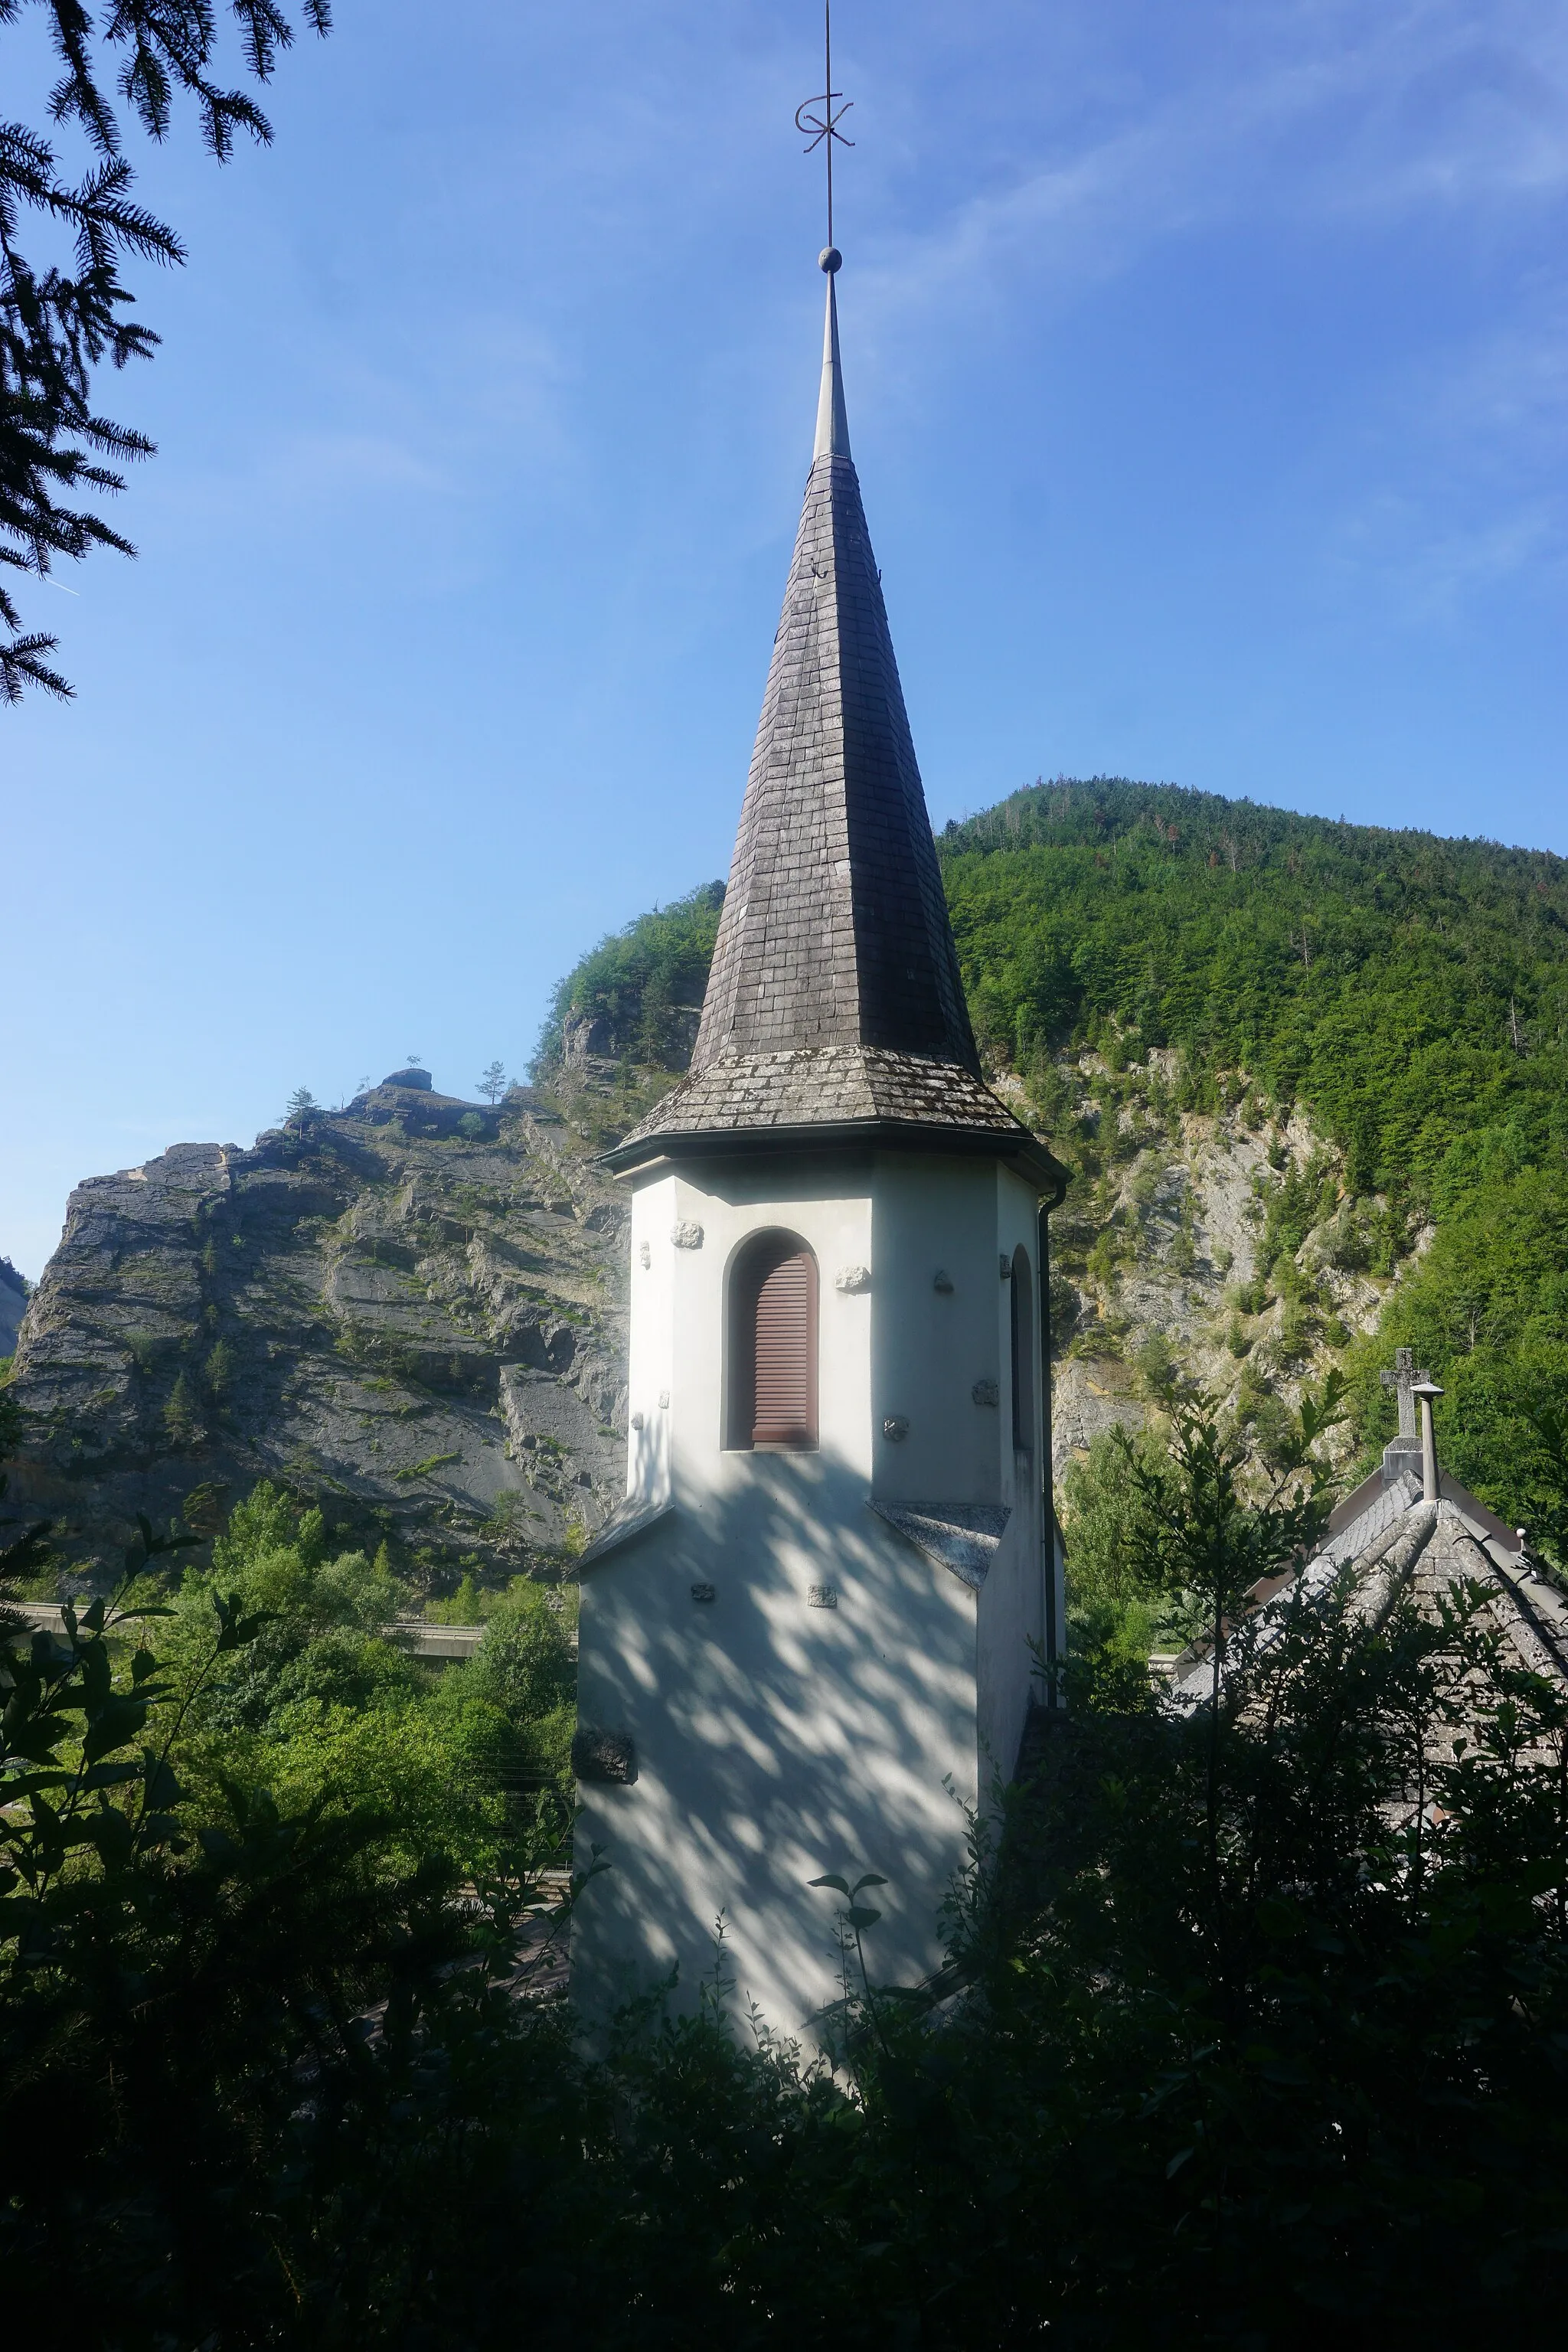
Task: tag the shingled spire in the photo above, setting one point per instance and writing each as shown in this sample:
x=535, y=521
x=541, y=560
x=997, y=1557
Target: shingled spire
x=834, y=999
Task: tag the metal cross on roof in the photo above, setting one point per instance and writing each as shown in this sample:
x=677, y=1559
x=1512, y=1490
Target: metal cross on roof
x=1406, y=1378
x=1403, y=1377
x=823, y=128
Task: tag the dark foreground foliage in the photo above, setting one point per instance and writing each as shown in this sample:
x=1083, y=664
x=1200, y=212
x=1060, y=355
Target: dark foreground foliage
x=1256, y=2030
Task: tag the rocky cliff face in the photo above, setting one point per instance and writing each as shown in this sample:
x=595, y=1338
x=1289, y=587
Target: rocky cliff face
x=1217, y=1245
x=411, y=1311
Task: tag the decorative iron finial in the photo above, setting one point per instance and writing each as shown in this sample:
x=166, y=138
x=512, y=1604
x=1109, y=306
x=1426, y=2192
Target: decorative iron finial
x=823, y=129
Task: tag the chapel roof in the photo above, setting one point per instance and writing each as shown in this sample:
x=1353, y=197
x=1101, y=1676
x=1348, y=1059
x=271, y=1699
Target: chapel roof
x=1388, y=1541
x=834, y=1001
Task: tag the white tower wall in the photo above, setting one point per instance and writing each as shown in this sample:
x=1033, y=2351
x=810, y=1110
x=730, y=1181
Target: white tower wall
x=775, y=1737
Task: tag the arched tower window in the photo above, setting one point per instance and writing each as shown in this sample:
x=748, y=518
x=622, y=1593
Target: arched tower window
x=771, y=1397
x=1022, y=1308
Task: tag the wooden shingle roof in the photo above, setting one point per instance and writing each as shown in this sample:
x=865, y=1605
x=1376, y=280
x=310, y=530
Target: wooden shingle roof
x=834, y=999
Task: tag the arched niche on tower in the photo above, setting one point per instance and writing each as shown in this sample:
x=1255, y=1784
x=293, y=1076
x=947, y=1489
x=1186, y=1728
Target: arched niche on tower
x=770, y=1345
x=1022, y=1308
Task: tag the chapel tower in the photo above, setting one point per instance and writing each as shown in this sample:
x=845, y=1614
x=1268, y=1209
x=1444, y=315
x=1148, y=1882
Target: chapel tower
x=815, y=1620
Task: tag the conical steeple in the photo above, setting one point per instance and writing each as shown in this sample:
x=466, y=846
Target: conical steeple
x=834, y=999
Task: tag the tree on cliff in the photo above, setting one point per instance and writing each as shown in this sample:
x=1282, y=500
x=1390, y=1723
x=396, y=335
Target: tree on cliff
x=61, y=322
x=21, y=1553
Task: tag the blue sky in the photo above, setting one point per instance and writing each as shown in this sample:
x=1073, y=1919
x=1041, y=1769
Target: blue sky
x=1208, y=378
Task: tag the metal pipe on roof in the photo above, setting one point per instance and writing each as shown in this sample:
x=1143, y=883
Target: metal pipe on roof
x=1424, y=1390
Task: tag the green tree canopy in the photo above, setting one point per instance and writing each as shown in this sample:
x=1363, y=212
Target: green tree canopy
x=635, y=996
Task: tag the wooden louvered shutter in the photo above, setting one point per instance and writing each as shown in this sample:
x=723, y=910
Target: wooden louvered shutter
x=1023, y=1363
x=784, y=1362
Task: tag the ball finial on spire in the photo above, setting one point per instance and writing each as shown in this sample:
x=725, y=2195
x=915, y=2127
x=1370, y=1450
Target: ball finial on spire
x=830, y=259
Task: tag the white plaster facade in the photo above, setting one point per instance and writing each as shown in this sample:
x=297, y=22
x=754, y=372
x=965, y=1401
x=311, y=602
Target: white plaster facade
x=776, y=1738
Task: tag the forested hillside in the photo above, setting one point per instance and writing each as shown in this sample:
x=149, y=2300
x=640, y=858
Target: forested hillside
x=635, y=997
x=1312, y=1078
x=1412, y=992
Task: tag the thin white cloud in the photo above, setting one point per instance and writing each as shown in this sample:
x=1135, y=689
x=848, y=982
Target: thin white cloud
x=1430, y=567
x=1512, y=385
x=1347, y=115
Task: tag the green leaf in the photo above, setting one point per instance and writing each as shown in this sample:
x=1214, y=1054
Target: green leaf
x=115, y=1727
x=831, y=1878
x=859, y=1915
x=1323, y=1413
x=29, y=1782
x=232, y=1628
x=110, y=1833
x=36, y=1738
x=173, y=1543
x=870, y=1879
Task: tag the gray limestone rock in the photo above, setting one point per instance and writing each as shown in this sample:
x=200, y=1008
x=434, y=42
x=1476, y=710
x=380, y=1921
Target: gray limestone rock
x=409, y=1315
